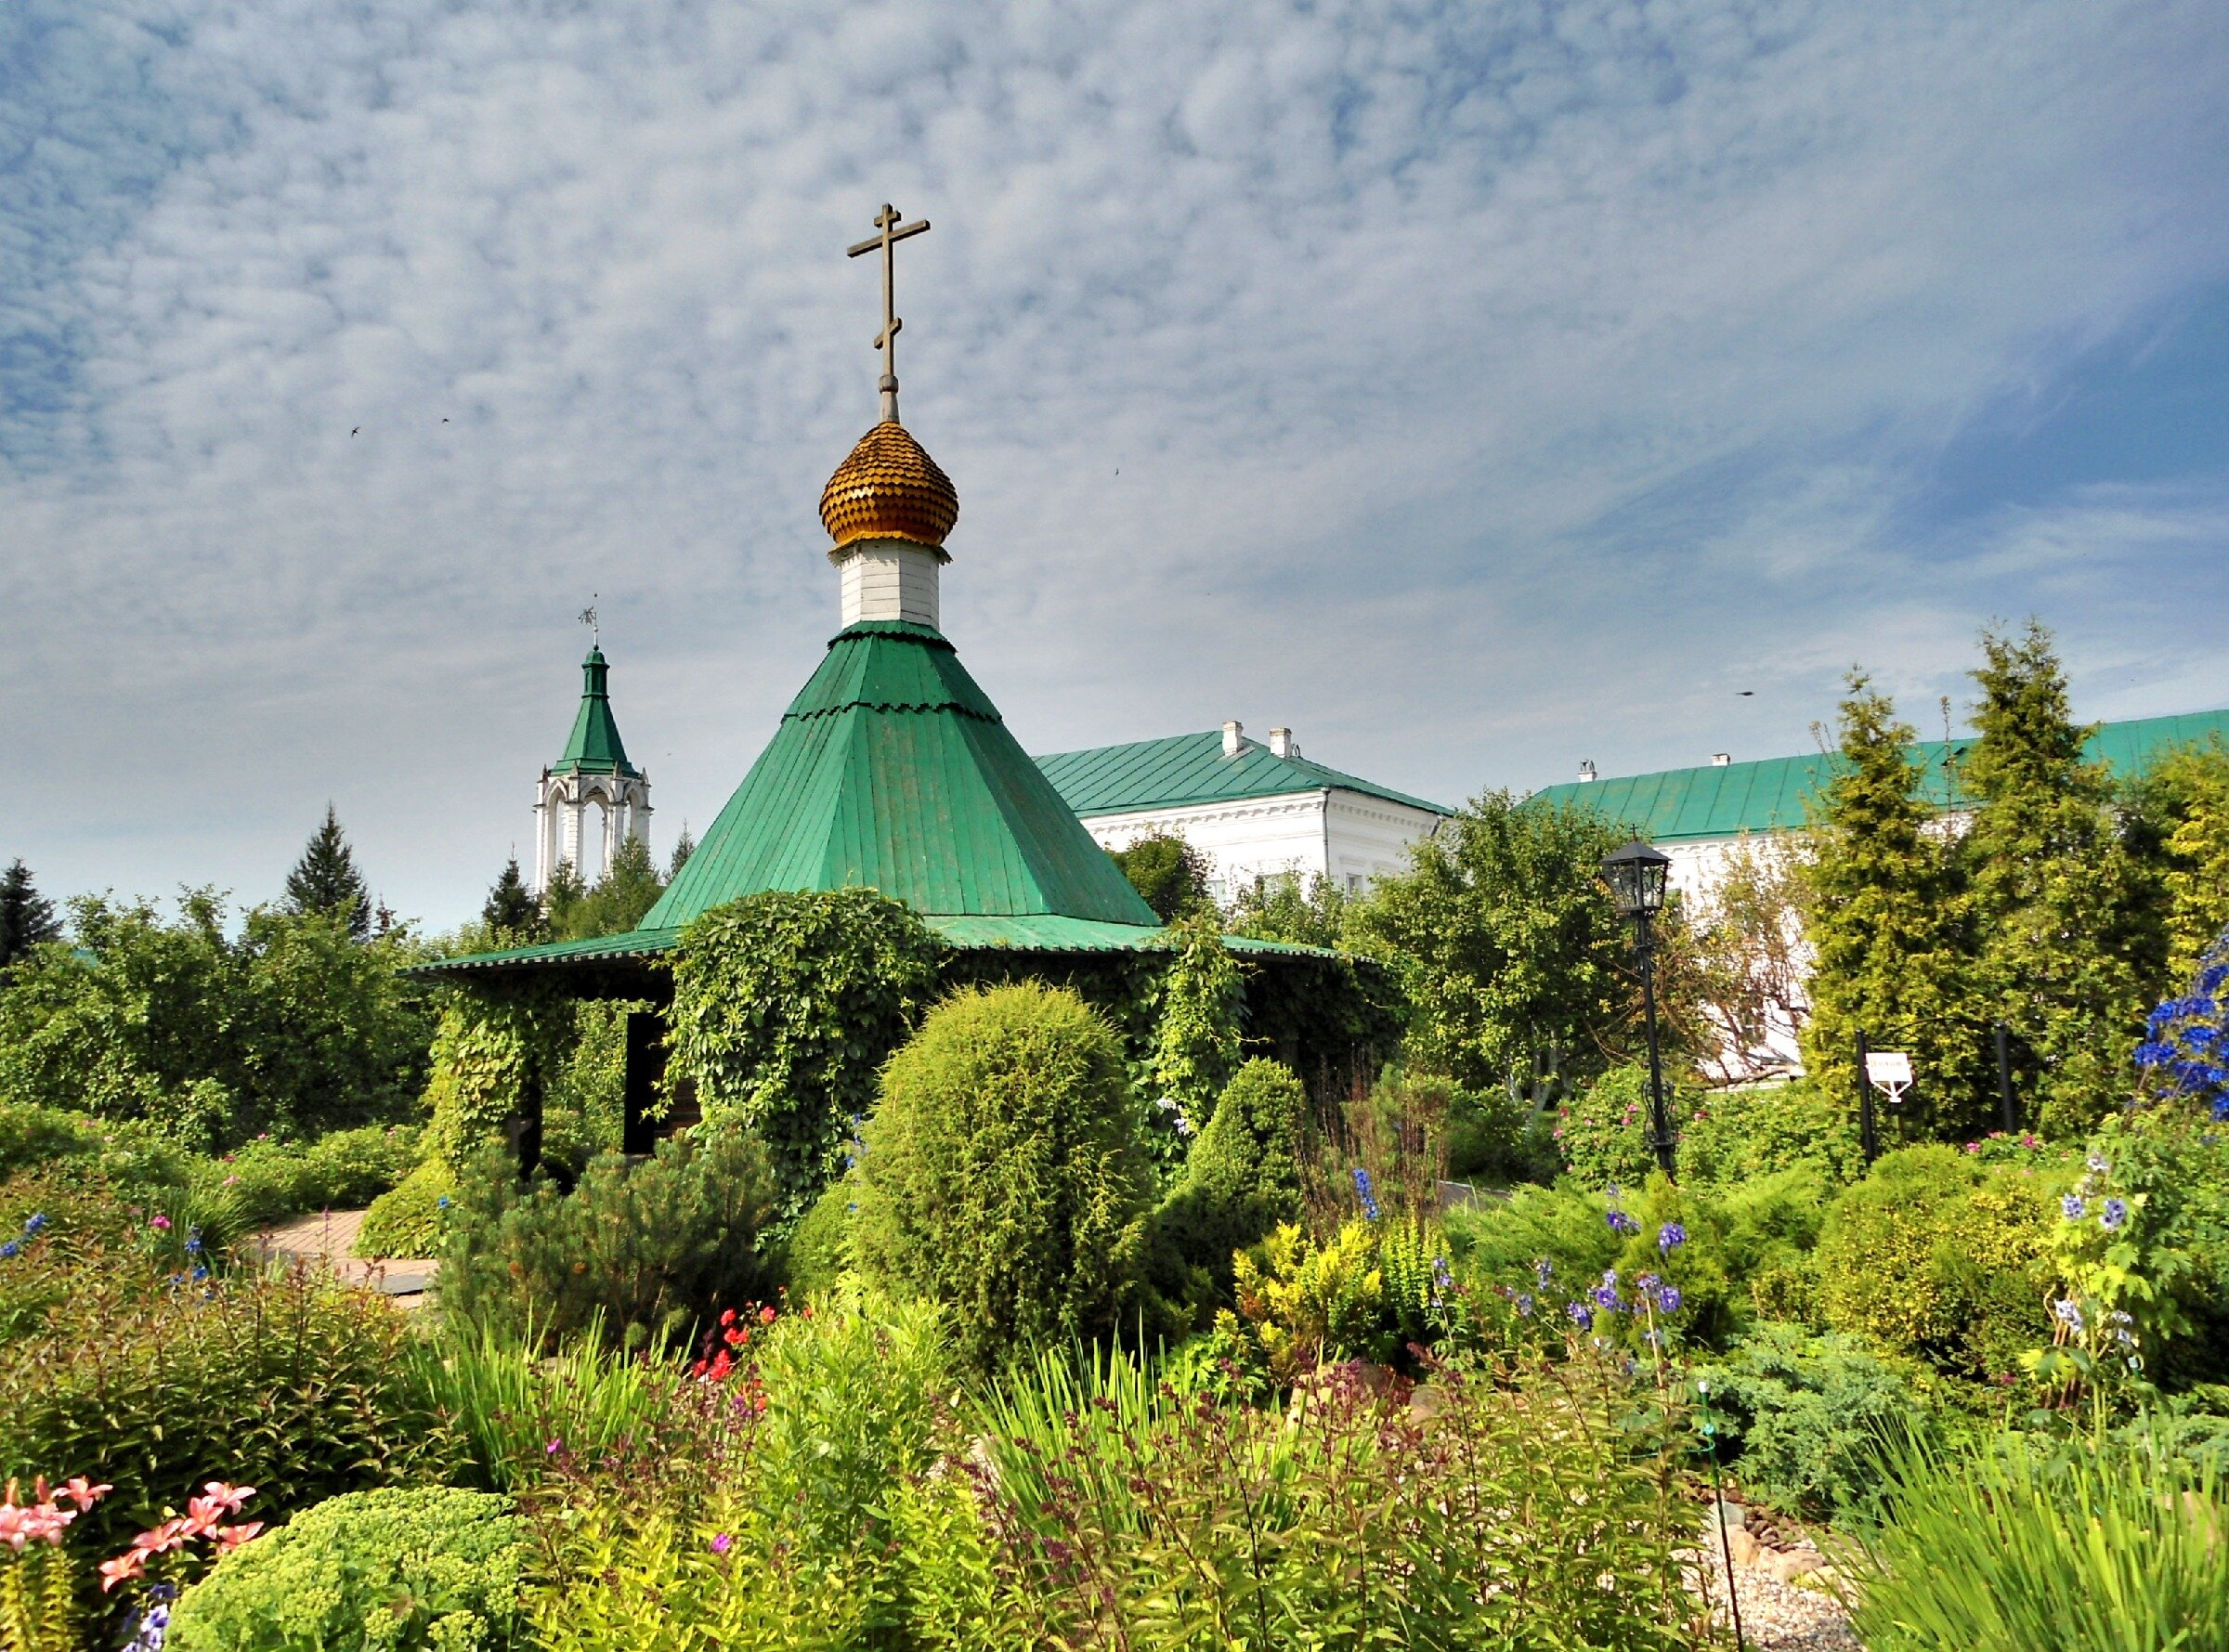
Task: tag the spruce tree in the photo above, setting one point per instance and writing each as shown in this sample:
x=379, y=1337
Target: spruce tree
x=683, y=847
x=512, y=914
x=1888, y=922
x=26, y=918
x=325, y=879
x=2057, y=898
x=565, y=892
x=629, y=888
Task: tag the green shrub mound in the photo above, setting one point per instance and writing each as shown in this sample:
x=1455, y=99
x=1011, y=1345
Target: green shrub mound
x=372, y=1571
x=1935, y=1257
x=1242, y=1175
x=1732, y=1136
x=820, y=1246
x=267, y=1181
x=1604, y=1131
x=408, y=1220
x=1003, y=1174
x=642, y=1249
x=1498, y=1138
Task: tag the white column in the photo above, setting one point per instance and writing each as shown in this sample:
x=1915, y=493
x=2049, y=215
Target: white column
x=542, y=843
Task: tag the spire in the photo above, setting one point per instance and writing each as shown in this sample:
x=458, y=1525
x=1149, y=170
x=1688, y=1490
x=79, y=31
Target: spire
x=595, y=746
x=886, y=341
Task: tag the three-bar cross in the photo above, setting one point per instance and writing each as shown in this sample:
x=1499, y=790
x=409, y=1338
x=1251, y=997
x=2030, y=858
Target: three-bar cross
x=886, y=341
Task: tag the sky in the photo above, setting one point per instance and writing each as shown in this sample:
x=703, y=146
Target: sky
x=1475, y=389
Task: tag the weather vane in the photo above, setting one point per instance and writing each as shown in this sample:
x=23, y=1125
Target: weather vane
x=886, y=341
x=588, y=617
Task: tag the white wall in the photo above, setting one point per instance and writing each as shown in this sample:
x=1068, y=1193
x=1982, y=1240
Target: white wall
x=1347, y=836
x=889, y=579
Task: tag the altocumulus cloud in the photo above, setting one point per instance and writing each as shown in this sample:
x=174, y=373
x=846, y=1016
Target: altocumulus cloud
x=1475, y=388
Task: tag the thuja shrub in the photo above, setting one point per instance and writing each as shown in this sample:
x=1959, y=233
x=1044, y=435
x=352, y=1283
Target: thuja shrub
x=785, y=1008
x=288, y=1382
x=427, y=1569
x=1242, y=1175
x=1003, y=1174
x=1934, y=1256
x=640, y=1250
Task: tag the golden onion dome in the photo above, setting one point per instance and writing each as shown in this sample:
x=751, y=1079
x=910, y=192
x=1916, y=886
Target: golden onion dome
x=889, y=488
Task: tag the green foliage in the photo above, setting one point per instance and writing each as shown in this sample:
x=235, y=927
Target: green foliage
x=785, y=1008
x=1242, y=1178
x=325, y=880
x=2010, y=1544
x=1807, y=1417
x=289, y=1027
x=1746, y=953
x=491, y=1051
x=290, y=1381
x=1169, y=872
x=629, y=888
x=1503, y=941
x=511, y=914
x=1546, y=1519
x=421, y=1570
x=820, y=1246
x=584, y=1112
x=1734, y=1134
x=1498, y=1137
x=39, y=1609
x=1003, y=1174
x=26, y=916
x=2056, y=897
x=1368, y=1292
x=1935, y=1257
x=1283, y=908
x=1196, y=1036
x=2185, y=802
x=408, y=1220
x=641, y=1249
x=506, y=1400
x=1605, y=1131
x=267, y=1181
x=1892, y=928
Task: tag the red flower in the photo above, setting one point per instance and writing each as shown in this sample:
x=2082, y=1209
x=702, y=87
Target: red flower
x=766, y=1315
x=727, y=1317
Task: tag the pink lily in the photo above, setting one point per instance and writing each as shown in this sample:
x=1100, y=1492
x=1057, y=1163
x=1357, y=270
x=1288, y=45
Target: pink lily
x=83, y=1492
x=125, y=1568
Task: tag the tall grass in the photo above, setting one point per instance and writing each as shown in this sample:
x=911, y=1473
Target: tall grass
x=2021, y=1546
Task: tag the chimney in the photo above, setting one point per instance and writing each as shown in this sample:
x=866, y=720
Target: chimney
x=1721, y=760
x=1281, y=743
x=1234, y=738
x=1587, y=772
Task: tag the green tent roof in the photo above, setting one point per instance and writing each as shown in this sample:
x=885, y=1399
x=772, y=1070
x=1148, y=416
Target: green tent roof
x=594, y=747
x=1724, y=802
x=892, y=770
x=1192, y=769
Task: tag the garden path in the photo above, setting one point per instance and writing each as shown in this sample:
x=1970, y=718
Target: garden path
x=327, y=1237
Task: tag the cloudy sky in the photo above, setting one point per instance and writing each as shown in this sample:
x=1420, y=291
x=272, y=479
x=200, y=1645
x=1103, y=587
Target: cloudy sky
x=1475, y=388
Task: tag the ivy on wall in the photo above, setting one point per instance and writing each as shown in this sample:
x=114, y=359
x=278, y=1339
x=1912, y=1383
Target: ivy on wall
x=786, y=1005
x=494, y=1049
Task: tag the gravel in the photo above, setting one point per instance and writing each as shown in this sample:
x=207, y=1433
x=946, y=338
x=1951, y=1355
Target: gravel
x=1783, y=1616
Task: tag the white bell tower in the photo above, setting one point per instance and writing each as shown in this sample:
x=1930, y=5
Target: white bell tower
x=591, y=799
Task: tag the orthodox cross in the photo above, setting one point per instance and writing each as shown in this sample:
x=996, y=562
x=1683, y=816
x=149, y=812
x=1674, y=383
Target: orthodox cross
x=886, y=341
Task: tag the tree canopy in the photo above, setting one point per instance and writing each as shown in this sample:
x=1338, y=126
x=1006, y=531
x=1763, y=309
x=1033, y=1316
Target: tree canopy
x=26, y=916
x=326, y=879
x=1168, y=872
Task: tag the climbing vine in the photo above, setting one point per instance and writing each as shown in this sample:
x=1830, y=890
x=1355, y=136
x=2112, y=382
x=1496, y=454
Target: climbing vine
x=785, y=1008
x=492, y=1046
x=1197, y=1033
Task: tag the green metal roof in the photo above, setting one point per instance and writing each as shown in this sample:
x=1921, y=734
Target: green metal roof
x=594, y=747
x=1192, y=769
x=1714, y=801
x=892, y=770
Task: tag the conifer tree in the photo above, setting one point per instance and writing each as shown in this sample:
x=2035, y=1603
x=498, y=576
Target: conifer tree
x=683, y=846
x=511, y=913
x=26, y=916
x=565, y=892
x=1888, y=920
x=2057, y=902
x=326, y=879
x=629, y=888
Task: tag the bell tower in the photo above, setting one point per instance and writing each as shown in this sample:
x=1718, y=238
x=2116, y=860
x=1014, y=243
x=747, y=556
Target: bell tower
x=591, y=799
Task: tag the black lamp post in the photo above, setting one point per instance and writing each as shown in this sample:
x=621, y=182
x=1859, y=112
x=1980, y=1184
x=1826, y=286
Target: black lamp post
x=1636, y=875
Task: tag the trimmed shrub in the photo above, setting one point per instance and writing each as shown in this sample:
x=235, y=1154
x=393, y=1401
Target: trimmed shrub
x=267, y=1181
x=785, y=1008
x=424, y=1570
x=1242, y=1178
x=1498, y=1138
x=1003, y=1174
x=820, y=1246
x=1933, y=1256
x=408, y=1220
x=642, y=1249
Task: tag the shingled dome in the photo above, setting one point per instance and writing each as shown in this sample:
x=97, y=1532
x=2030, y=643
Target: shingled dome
x=889, y=488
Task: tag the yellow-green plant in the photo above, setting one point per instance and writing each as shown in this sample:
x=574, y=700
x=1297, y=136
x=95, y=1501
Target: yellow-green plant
x=38, y=1577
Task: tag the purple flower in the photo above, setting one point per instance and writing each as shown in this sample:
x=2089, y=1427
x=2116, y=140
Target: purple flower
x=11, y=1251
x=723, y=1544
x=32, y=1225
x=2069, y=1313
x=1361, y=1187
x=1622, y=1223
x=2073, y=1207
x=1608, y=1300
x=1581, y=1315
x=1669, y=1237
x=1541, y=1270
x=2115, y=1213
x=1524, y=1304
x=2221, y=1111
x=1668, y=1300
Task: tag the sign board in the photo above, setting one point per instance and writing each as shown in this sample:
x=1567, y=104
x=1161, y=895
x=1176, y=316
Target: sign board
x=1888, y=1071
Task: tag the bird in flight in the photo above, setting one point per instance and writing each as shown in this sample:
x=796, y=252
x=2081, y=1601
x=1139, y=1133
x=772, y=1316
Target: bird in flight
x=1745, y=693
x=353, y=432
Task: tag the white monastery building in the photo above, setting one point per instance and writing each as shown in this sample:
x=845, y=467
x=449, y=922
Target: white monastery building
x=1254, y=809
x=591, y=799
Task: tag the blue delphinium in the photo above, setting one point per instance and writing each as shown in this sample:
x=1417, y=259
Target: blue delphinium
x=1669, y=1237
x=1524, y=1304
x=1668, y=1300
x=1543, y=1270
x=1362, y=1188
x=2185, y=1049
x=34, y=1223
x=1581, y=1315
x=2115, y=1213
x=193, y=1241
x=11, y=1251
x=2073, y=1207
x=1622, y=1224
